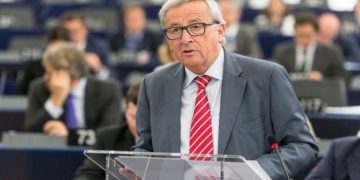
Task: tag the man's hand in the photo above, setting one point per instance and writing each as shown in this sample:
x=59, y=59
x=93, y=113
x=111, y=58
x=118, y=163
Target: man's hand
x=59, y=86
x=55, y=128
x=93, y=61
x=314, y=76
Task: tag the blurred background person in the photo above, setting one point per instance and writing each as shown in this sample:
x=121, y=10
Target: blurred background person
x=351, y=22
x=166, y=57
x=96, y=50
x=119, y=138
x=67, y=99
x=241, y=38
x=341, y=162
x=134, y=42
x=276, y=18
x=329, y=34
x=34, y=69
x=305, y=58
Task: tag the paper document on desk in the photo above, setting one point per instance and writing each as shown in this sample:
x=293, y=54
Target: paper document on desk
x=347, y=110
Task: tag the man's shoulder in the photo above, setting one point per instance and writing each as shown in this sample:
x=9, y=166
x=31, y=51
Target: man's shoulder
x=346, y=141
x=249, y=63
x=38, y=83
x=285, y=46
x=102, y=85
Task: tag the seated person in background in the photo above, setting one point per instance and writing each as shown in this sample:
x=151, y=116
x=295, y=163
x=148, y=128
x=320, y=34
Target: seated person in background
x=165, y=55
x=329, y=34
x=34, y=69
x=305, y=58
x=341, y=162
x=276, y=19
x=119, y=138
x=67, y=99
x=96, y=49
x=240, y=38
x=351, y=21
x=134, y=42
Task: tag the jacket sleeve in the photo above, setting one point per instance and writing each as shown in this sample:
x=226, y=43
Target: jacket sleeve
x=297, y=145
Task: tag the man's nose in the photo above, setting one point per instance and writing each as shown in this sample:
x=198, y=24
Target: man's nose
x=186, y=37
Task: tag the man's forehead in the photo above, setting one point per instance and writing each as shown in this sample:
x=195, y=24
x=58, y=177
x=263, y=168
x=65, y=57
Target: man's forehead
x=178, y=16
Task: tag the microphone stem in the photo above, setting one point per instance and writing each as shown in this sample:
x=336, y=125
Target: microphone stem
x=282, y=163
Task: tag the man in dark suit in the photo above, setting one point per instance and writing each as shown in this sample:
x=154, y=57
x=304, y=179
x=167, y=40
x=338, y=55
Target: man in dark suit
x=240, y=37
x=134, y=39
x=66, y=99
x=96, y=50
x=329, y=34
x=305, y=58
x=218, y=102
x=119, y=138
x=34, y=69
x=341, y=162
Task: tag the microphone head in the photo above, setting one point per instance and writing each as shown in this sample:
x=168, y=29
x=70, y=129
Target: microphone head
x=272, y=141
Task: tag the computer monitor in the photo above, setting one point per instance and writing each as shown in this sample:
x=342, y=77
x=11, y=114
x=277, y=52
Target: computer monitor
x=332, y=92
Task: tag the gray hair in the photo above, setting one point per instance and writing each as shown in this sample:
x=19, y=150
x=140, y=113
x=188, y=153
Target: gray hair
x=213, y=8
x=66, y=56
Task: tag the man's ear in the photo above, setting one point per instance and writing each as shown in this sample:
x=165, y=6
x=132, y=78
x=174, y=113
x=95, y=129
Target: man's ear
x=221, y=32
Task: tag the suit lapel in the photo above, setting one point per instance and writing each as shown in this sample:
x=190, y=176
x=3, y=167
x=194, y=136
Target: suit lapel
x=316, y=63
x=353, y=163
x=233, y=87
x=173, y=92
x=90, y=101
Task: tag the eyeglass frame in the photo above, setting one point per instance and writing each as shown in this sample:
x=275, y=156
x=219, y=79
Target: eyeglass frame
x=186, y=28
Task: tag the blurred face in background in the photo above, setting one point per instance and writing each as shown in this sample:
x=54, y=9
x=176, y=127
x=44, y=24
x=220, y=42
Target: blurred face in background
x=134, y=20
x=77, y=29
x=329, y=27
x=305, y=35
x=230, y=13
x=276, y=8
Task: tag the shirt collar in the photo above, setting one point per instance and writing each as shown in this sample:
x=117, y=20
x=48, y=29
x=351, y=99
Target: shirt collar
x=215, y=70
x=311, y=47
x=79, y=89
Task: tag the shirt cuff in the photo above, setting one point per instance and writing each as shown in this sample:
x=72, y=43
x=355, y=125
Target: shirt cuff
x=55, y=112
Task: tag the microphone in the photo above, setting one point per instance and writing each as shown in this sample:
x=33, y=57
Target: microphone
x=274, y=144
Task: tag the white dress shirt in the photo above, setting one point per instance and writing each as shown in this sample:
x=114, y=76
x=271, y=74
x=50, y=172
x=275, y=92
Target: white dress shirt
x=213, y=91
x=79, y=98
x=308, y=57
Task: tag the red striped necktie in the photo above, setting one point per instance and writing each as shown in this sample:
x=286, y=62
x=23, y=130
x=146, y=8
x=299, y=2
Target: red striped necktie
x=201, y=140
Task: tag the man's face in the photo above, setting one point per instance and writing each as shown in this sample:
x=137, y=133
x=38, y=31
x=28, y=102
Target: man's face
x=329, y=28
x=229, y=12
x=77, y=29
x=196, y=52
x=305, y=35
x=134, y=20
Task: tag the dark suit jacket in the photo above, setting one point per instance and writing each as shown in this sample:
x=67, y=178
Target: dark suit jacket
x=257, y=100
x=99, y=47
x=102, y=105
x=342, y=161
x=150, y=42
x=247, y=42
x=116, y=138
x=33, y=70
x=349, y=47
x=327, y=60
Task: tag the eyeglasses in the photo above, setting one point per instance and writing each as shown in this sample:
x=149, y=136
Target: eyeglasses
x=196, y=29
